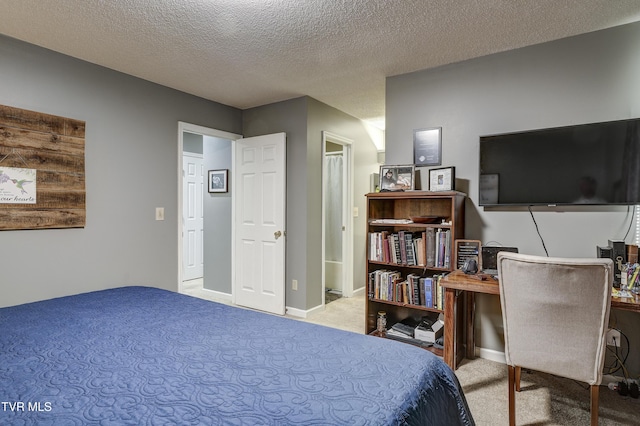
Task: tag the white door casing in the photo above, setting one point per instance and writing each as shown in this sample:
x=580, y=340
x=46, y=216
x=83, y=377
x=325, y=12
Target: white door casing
x=347, y=212
x=193, y=216
x=198, y=130
x=259, y=184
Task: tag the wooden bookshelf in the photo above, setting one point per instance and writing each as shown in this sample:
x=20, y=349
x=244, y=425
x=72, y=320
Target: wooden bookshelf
x=390, y=213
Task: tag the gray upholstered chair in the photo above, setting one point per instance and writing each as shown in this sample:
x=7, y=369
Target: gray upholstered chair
x=555, y=313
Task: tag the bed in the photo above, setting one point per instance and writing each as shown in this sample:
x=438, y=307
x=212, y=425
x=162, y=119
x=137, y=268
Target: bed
x=145, y=356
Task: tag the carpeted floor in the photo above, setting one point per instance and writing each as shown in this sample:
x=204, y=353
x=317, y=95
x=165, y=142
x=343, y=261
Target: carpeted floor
x=544, y=400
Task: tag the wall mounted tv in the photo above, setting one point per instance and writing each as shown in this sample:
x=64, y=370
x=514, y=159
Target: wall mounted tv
x=588, y=164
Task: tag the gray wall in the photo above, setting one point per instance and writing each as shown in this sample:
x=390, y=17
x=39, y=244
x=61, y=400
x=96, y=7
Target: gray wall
x=303, y=119
x=289, y=117
x=131, y=168
x=588, y=78
x=365, y=157
x=217, y=218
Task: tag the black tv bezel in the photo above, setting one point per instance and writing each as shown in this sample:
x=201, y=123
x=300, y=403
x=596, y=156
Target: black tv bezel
x=559, y=204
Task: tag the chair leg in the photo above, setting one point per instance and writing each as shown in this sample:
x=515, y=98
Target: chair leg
x=595, y=395
x=518, y=374
x=512, y=395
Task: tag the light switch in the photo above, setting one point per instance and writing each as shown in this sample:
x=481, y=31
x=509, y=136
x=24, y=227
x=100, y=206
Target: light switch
x=355, y=212
x=159, y=213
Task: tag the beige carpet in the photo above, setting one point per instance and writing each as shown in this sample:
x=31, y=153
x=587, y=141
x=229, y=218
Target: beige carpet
x=544, y=400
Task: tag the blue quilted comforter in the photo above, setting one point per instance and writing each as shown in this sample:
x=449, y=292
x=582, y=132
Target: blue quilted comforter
x=144, y=356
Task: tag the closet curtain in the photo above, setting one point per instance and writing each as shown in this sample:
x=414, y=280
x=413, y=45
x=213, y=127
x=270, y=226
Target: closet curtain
x=333, y=208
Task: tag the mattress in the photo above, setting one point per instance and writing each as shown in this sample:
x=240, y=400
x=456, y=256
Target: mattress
x=145, y=356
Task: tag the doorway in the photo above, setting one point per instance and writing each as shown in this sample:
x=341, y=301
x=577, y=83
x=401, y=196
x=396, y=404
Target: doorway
x=337, y=221
x=196, y=143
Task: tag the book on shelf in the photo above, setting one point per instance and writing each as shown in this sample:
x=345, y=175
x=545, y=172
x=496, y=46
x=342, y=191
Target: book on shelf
x=431, y=247
x=387, y=285
x=400, y=248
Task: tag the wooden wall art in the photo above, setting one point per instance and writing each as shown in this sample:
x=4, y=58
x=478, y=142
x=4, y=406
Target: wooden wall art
x=42, y=182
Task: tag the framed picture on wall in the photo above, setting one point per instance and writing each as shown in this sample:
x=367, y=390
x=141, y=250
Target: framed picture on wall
x=218, y=180
x=427, y=147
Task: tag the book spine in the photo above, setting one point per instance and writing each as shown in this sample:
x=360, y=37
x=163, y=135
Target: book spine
x=428, y=292
x=431, y=247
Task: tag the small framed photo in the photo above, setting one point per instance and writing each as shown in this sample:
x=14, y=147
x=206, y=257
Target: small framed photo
x=397, y=178
x=427, y=147
x=442, y=179
x=218, y=180
x=466, y=250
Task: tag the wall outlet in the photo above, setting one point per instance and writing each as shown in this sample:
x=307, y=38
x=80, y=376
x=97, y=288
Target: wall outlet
x=613, y=337
x=294, y=284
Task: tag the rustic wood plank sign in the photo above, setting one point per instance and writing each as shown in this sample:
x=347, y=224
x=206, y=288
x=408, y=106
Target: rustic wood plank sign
x=42, y=177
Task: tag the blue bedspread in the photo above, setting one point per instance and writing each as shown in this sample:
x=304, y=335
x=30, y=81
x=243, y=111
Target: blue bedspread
x=144, y=356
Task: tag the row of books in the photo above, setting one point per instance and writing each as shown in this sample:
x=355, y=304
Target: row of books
x=411, y=290
x=430, y=248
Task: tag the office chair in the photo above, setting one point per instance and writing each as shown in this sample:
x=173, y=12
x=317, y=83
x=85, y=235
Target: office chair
x=555, y=313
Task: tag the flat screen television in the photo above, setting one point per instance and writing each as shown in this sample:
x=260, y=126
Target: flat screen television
x=587, y=164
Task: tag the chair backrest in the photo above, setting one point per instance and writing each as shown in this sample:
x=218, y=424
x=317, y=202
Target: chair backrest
x=555, y=313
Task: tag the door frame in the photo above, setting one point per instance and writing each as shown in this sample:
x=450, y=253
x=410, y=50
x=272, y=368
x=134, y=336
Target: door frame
x=347, y=236
x=198, y=130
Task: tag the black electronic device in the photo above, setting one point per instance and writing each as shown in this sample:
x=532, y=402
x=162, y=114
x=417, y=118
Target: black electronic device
x=490, y=258
x=586, y=164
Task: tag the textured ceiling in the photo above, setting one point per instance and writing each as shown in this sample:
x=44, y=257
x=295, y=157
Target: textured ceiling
x=247, y=53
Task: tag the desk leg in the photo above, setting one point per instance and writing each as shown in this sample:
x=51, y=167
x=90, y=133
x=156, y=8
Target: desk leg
x=450, y=328
x=470, y=320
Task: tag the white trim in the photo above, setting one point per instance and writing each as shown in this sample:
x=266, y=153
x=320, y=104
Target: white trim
x=491, y=355
x=358, y=292
x=301, y=313
x=200, y=130
x=347, y=246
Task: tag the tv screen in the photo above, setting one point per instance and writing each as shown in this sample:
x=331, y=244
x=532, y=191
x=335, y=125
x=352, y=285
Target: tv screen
x=588, y=164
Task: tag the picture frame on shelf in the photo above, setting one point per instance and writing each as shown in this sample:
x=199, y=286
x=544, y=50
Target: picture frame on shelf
x=427, y=146
x=442, y=179
x=397, y=178
x=218, y=180
x=468, y=250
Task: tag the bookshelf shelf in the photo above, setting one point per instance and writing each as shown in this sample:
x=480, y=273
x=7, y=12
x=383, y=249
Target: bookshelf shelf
x=407, y=305
x=403, y=268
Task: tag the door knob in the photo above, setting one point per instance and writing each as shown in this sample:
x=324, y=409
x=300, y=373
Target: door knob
x=277, y=234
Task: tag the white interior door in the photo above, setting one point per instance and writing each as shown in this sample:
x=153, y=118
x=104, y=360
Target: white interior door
x=193, y=217
x=259, y=183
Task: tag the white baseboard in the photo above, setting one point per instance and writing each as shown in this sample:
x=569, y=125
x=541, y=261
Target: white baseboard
x=359, y=291
x=301, y=313
x=491, y=355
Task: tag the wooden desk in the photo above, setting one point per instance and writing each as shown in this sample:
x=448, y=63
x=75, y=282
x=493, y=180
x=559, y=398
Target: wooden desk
x=457, y=284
